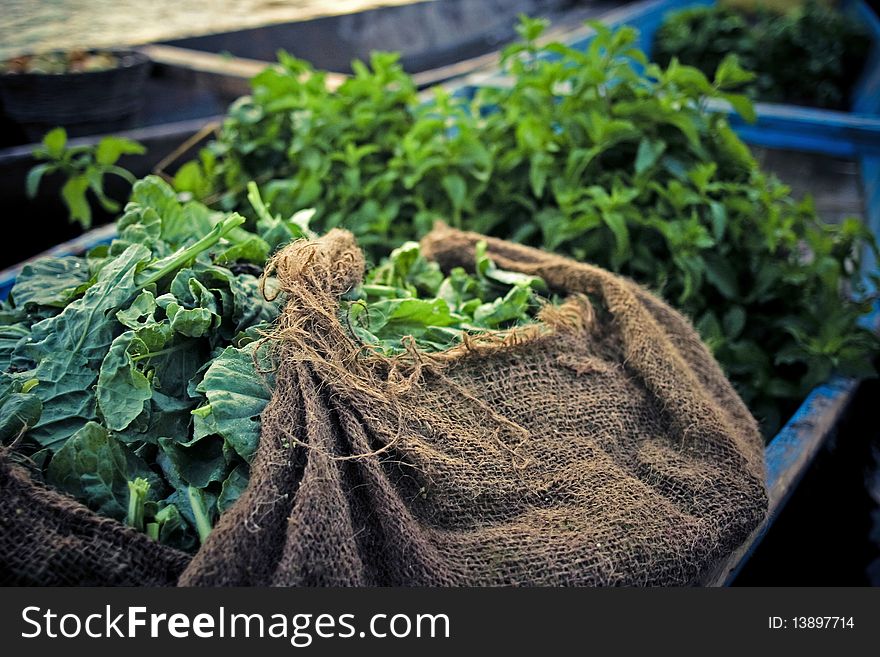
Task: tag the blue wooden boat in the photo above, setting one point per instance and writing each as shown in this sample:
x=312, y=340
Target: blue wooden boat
x=854, y=134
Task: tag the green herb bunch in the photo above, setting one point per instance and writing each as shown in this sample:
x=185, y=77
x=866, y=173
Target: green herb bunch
x=597, y=154
x=308, y=148
x=811, y=55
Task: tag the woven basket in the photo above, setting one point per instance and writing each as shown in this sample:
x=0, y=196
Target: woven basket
x=36, y=100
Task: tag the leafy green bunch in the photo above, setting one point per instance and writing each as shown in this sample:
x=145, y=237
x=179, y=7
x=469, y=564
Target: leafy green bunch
x=810, y=55
x=702, y=36
x=408, y=295
x=84, y=169
x=138, y=364
x=597, y=154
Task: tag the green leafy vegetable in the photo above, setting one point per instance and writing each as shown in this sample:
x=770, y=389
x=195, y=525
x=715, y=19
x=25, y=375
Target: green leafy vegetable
x=812, y=54
x=95, y=468
x=236, y=395
x=104, y=359
x=84, y=169
x=19, y=412
x=408, y=296
x=51, y=282
x=142, y=361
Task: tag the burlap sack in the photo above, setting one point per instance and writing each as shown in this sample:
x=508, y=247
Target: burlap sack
x=602, y=447
x=49, y=539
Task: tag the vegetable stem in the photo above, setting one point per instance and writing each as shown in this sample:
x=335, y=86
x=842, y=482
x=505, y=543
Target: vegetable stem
x=161, y=268
x=197, y=502
x=168, y=350
x=137, y=496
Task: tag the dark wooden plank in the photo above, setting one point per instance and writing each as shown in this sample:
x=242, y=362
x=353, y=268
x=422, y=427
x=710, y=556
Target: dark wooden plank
x=240, y=68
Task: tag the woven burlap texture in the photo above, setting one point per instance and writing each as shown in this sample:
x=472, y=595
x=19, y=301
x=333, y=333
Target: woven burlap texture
x=49, y=539
x=603, y=446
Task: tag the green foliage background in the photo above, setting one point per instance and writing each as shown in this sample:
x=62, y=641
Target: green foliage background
x=811, y=54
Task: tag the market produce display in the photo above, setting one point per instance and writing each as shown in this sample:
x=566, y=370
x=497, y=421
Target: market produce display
x=134, y=377
x=596, y=154
x=485, y=464
x=810, y=55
